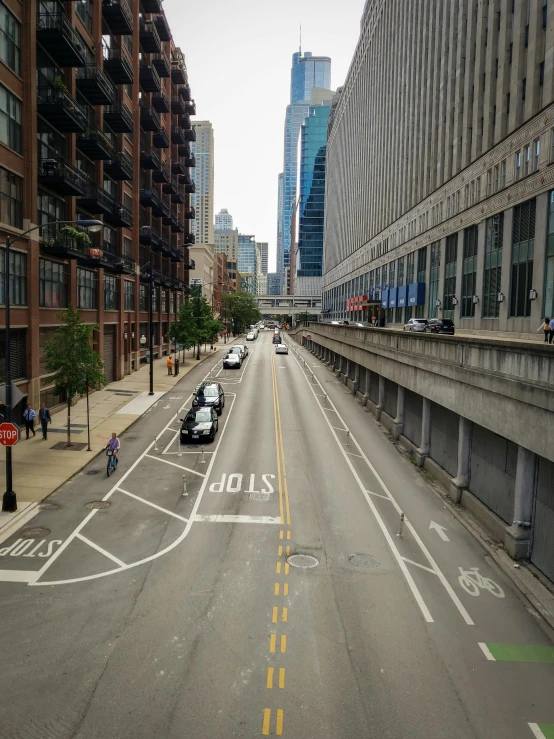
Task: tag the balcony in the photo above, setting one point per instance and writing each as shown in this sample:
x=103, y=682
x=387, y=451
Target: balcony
x=149, y=119
x=184, y=121
x=190, y=134
x=118, y=117
x=170, y=219
x=120, y=168
x=178, y=168
x=178, y=197
x=96, y=200
x=95, y=144
x=119, y=216
x=66, y=246
x=178, y=73
x=190, y=214
x=148, y=77
x=177, y=254
x=185, y=179
x=61, y=110
x=191, y=107
x=185, y=93
x=160, y=101
x=170, y=187
x=177, y=136
x=162, y=212
x=190, y=265
x=178, y=227
x=126, y=265
x=160, y=139
x=61, y=177
x=166, y=248
x=150, y=199
x=148, y=236
x=161, y=62
x=118, y=66
x=149, y=40
x=94, y=84
x=149, y=158
x=189, y=239
x=118, y=16
x=190, y=188
x=109, y=257
x=161, y=174
x=177, y=106
x=162, y=26
x=151, y=6
x=58, y=37
x=184, y=150
x=190, y=161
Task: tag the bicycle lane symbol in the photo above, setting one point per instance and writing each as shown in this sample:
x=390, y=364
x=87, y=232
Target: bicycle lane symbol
x=472, y=581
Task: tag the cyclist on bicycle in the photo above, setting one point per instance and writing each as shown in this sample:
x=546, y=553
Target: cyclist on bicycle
x=113, y=445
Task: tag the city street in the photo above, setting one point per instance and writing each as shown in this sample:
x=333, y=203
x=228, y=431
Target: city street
x=263, y=585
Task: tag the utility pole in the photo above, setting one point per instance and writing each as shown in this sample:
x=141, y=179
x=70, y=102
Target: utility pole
x=151, y=320
x=9, y=499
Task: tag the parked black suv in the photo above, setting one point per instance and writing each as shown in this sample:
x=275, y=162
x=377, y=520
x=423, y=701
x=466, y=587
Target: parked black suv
x=440, y=326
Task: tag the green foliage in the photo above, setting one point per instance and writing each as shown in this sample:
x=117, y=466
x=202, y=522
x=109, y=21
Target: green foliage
x=195, y=323
x=72, y=233
x=240, y=309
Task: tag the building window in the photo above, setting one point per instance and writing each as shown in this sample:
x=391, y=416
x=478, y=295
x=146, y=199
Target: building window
x=10, y=120
x=544, y=14
x=526, y=159
x=503, y=174
x=492, y=275
x=172, y=302
x=18, y=277
x=523, y=88
x=87, y=289
x=51, y=400
x=154, y=299
x=129, y=295
x=489, y=182
x=496, y=178
x=18, y=355
x=50, y=210
x=164, y=301
x=84, y=11
x=52, y=284
x=410, y=268
x=549, y=267
x=523, y=245
x=127, y=246
x=518, y=165
x=450, y=260
x=110, y=292
x=434, y=278
x=536, y=154
x=11, y=199
x=143, y=297
x=10, y=40
x=469, y=272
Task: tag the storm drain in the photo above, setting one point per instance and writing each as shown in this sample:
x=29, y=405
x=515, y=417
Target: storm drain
x=92, y=472
x=49, y=506
x=97, y=505
x=364, y=560
x=305, y=561
x=35, y=532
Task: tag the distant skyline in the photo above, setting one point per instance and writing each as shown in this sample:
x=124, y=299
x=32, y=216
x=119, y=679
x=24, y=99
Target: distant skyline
x=238, y=57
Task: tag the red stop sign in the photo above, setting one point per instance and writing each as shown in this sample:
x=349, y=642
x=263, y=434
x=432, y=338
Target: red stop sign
x=9, y=434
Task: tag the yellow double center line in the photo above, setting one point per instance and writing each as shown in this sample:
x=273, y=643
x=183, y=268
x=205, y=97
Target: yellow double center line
x=281, y=464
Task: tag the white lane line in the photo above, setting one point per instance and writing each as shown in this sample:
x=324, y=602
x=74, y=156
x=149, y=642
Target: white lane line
x=355, y=455
x=457, y=602
x=239, y=519
x=535, y=728
x=18, y=576
x=153, y=505
x=379, y=495
x=173, y=464
x=171, y=442
x=99, y=549
x=417, y=564
x=197, y=453
x=487, y=652
x=170, y=546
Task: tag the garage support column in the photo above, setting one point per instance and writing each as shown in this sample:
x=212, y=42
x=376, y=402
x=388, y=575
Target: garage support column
x=356, y=386
x=381, y=404
x=425, y=446
x=398, y=427
x=366, y=387
x=346, y=375
x=518, y=535
x=461, y=481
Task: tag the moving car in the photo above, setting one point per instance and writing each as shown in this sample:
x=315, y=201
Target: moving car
x=281, y=349
x=209, y=395
x=276, y=339
x=251, y=336
x=440, y=326
x=233, y=359
x=416, y=324
x=244, y=348
x=199, y=423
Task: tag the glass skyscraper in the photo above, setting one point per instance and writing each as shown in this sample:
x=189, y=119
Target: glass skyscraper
x=311, y=186
x=308, y=73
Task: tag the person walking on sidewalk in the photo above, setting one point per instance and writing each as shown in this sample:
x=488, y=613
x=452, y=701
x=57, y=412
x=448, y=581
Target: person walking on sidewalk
x=545, y=327
x=169, y=365
x=44, y=418
x=551, y=334
x=29, y=415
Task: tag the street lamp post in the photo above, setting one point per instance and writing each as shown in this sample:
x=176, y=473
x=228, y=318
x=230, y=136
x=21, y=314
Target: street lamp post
x=151, y=323
x=9, y=499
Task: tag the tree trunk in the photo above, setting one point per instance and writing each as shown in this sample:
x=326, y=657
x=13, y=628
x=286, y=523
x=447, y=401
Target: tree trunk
x=69, y=423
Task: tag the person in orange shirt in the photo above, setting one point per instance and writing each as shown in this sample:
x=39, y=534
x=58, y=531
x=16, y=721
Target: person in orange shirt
x=169, y=366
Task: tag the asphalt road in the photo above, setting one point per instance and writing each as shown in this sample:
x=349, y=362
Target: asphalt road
x=172, y=615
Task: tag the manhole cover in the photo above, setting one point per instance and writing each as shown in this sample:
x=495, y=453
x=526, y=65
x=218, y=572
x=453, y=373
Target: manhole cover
x=99, y=504
x=35, y=532
x=49, y=506
x=364, y=560
x=305, y=561
x=92, y=472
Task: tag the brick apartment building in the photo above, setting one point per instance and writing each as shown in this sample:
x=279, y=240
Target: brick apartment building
x=95, y=108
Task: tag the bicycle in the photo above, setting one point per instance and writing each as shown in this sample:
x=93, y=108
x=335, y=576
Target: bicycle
x=472, y=582
x=112, y=461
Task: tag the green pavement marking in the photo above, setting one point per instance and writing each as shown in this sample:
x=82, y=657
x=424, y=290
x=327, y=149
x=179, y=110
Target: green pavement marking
x=542, y=731
x=521, y=653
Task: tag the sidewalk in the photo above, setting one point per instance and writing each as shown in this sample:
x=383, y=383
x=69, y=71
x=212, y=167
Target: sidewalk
x=40, y=467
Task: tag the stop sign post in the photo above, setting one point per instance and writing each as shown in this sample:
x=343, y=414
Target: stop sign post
x=9, y=434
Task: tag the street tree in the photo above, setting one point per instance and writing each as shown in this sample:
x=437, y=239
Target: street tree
x=183, y=330
x=72, y=360
x=241, y=309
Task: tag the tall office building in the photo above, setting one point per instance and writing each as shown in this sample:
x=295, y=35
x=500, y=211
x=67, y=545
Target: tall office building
x=263, y=247
x=308, y=73
x=439, y=197
x=203, y=199
x=223, y=220
x=273, y=284
x=248, y=260
x=311, y=201
x=227, y=242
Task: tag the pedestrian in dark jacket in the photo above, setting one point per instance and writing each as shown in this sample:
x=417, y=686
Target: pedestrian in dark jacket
x=29, y=415
x=44, y=418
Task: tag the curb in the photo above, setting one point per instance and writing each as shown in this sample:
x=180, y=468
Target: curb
x=18, y=520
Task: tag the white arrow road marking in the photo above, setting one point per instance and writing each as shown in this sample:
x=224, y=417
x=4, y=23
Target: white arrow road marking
x=440, y=530
x=166, y=407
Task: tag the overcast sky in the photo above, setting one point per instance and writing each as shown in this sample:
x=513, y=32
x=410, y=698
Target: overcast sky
x=238, y=55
